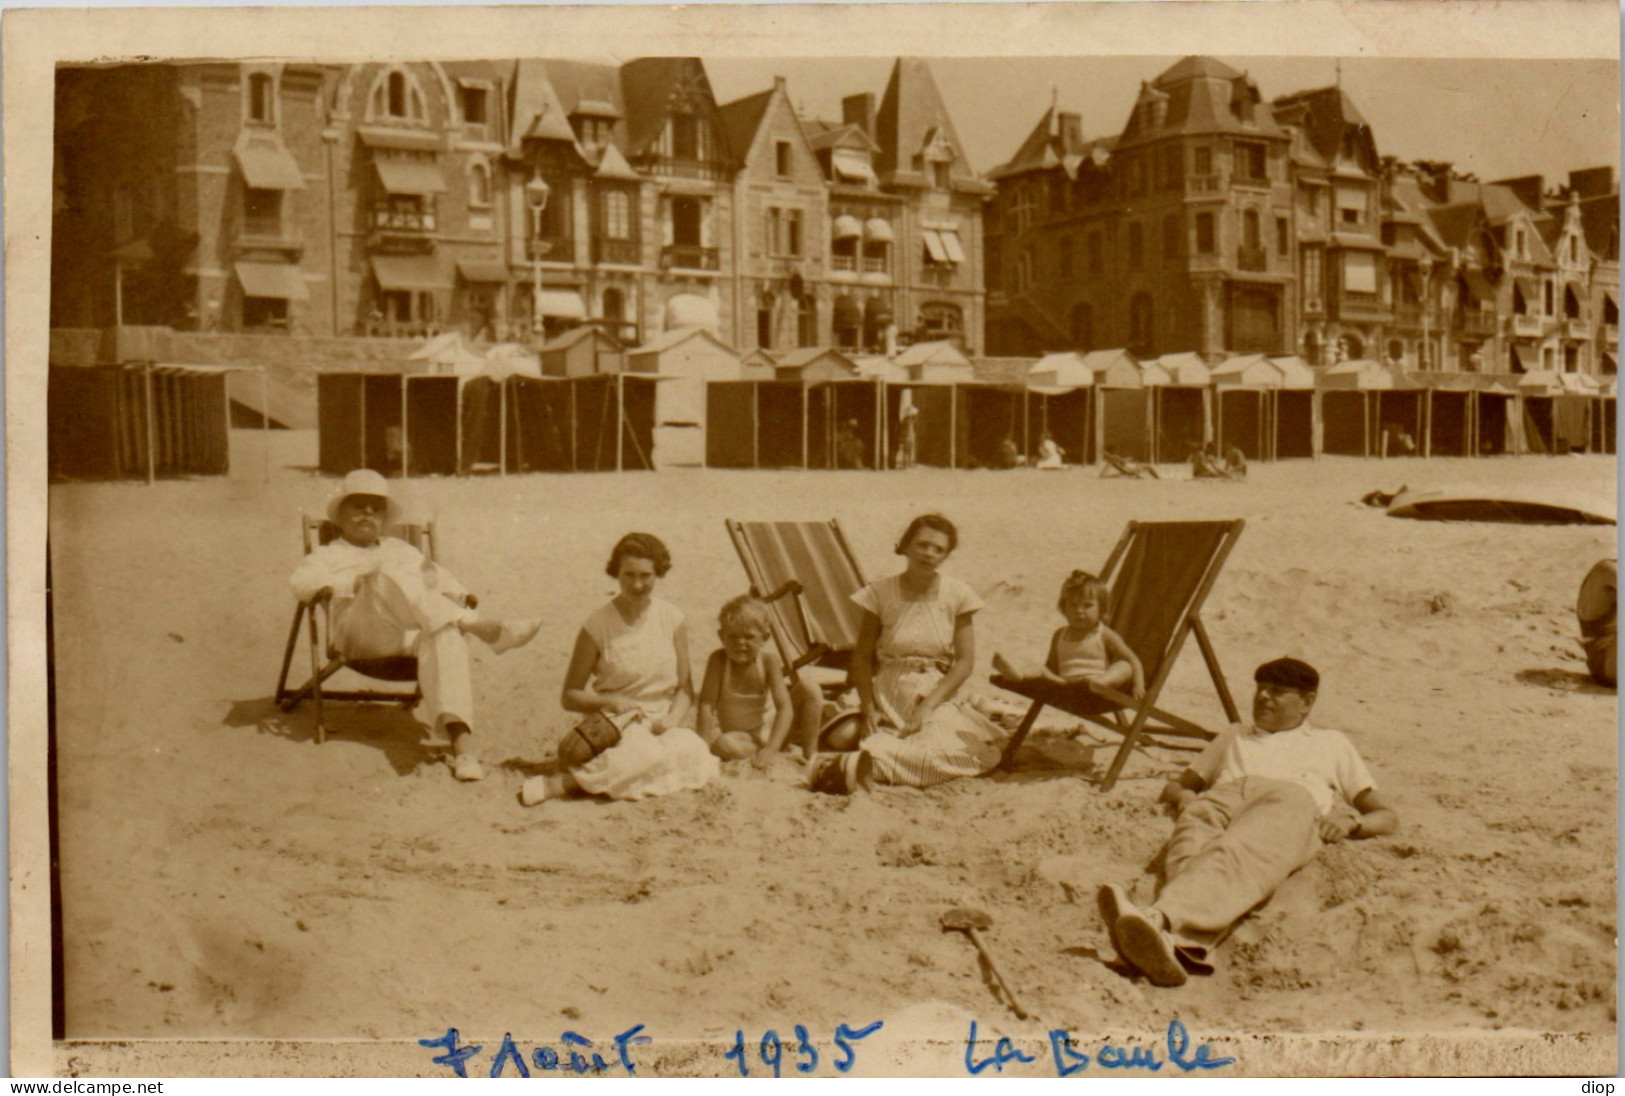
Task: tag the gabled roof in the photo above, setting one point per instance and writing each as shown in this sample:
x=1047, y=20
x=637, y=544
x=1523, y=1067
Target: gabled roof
x=822, y=135
x=742, y=118
x=578, y=334
x=676, y=337
x=648, y=86
x=806, y=355
x=1049, y=145
x=939, y=352
x=911, y=117
x=536, y=112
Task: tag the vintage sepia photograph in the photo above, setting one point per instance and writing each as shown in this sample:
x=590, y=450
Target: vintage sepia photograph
x=1017, y=540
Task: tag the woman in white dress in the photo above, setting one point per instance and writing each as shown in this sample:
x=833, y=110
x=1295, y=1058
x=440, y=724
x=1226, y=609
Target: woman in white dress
x=631, y=658
x=915, y=648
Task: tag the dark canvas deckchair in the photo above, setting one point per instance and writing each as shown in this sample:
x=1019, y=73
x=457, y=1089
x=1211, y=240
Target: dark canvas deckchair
x=326, y=660
x=805, y=572
x=1160, y=574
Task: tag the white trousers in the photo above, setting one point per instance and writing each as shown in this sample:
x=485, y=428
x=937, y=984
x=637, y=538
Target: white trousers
x=398, y=614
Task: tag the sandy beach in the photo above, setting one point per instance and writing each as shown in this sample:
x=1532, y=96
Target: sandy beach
x=224, y=876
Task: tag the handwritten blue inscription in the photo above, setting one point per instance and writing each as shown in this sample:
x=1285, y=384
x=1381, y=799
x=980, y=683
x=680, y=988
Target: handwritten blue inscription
x=1069, y=1060
x=578, y=1054
x=771, y=1050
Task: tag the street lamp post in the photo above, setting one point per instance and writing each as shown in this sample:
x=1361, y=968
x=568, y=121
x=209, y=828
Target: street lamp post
x=536, y=193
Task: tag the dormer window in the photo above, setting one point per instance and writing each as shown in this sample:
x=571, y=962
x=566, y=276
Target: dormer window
x=261, y=98
x=474, y=101
x=396, y=97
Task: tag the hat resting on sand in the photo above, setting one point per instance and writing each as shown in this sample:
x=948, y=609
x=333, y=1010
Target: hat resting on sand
x=1289, y=673
x=364, y=481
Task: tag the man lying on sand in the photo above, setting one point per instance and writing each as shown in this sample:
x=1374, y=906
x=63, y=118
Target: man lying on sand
x=1254, y=807
x=389, y=600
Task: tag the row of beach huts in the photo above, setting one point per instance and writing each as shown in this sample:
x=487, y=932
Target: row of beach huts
x=585, y=403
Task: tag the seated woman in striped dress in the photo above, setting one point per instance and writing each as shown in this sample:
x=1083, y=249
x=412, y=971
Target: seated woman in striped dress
x=915, y=649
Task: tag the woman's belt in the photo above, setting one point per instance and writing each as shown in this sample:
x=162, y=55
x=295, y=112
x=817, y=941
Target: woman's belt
x=915, y=663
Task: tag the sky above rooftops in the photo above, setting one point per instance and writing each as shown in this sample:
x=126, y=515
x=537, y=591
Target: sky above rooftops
x=1494, y=118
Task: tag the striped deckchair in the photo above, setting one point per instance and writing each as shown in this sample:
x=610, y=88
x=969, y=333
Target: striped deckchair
x=805, y=572
x=1160, y=574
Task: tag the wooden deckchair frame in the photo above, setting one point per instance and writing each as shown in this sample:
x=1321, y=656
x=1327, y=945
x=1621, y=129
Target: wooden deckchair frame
x=806, y=649
x=315, y=612
x=1108, y=707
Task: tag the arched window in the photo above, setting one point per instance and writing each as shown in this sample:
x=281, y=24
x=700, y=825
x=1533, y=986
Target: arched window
x=479, y=184
x=396, y=97
x=261, y=98
x=941, y=320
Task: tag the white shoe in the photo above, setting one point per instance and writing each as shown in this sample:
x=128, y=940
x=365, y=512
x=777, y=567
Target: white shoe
x=516, y=633
x=467, y=767
x=534, y=791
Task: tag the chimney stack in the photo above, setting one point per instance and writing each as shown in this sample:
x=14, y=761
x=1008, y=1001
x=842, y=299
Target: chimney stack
x=1071, y=132
x=859, y=110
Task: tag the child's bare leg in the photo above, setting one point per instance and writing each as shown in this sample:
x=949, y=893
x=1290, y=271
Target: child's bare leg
x=1119, y=675
x=808, y=704
x=1010, y=669
x=734, y=745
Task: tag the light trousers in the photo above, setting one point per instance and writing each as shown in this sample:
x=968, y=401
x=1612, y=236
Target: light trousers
x=397, y=613
x=1231, y=848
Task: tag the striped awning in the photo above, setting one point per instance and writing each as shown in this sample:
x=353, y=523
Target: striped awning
x=278, y=280
x=878, y=230
x=413, y=273
x=847, y=228
x=410, y=177
x=269, y=167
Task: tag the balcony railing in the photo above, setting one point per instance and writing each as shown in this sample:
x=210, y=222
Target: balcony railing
x=1528, y=327
x=688, y=169
x=615, y=251
x=1578, y=329
x=1205, y=184
x=874, y=264
x=848, y=263
x=553, y=249
x=1610, y=334
x=1476, y=324
x=688, y=257
x=385, y=218
x=1252, y=258
x=1408, y=316
x=1360, y=304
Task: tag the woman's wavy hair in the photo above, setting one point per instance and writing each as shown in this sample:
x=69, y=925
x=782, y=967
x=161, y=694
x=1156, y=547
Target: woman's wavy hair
x=928, y=521
x=639, y=546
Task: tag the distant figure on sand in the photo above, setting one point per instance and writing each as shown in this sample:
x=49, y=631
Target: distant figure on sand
x=1235, y=462
x=1254, y=807
x=631, y=662
x=849, y=446
x=388, y=599
x=1085, y=649
x=1009, y=454
x=1116, y=464
x=745, y=684
x=909, y=429
x=1049, y=454
x=915, y=648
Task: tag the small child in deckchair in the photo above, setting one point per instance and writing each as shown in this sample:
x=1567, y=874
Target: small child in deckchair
x=741, y=679
x=1084, y=650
